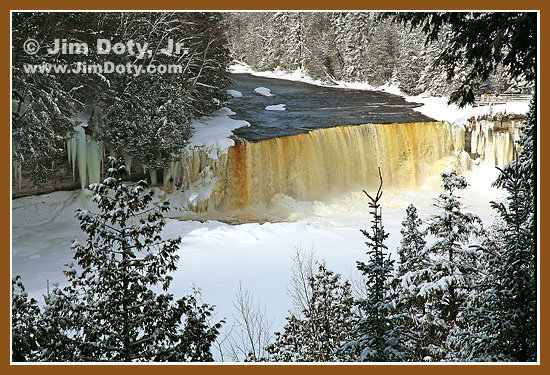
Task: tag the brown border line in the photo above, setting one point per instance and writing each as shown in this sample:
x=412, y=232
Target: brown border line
x=255, y=5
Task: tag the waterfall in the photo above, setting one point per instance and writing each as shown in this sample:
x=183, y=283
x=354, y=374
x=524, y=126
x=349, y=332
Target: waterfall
x=333, y=160
x=494, y=141
x=312, y=166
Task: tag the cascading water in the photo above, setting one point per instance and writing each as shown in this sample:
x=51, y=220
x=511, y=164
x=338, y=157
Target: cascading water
x=333, y=160
x=314, y=165
x=494, y=142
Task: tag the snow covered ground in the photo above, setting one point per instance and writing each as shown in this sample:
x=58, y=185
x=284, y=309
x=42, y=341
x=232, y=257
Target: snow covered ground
x=213, y=131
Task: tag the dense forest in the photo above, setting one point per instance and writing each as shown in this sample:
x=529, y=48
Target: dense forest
x=354, y=47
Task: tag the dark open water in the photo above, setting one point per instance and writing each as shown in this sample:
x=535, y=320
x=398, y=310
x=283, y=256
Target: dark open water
x=309, y=107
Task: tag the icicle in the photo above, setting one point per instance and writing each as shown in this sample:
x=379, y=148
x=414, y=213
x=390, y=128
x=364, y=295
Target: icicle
x=102, y=158
x=81, y=156
x=153, y=175
x=128, y=164
x=93, y=161
x=166, y=175
x=72, y=153
x=16, y=165
x=69, y=158
x=19, y=175
x=494, y=146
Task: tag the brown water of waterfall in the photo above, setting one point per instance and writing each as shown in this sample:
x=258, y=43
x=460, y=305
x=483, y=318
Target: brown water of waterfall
x=331, y=161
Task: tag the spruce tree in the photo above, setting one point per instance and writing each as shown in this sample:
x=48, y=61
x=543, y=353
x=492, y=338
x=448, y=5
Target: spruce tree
x=110, y=311
x=504, y=322
x=479, y=43
x=377, y=337
x=24, y=323
x=504, y=325
x=325, y=325
x=411, y=274
x=452, y=270
x=412, y=247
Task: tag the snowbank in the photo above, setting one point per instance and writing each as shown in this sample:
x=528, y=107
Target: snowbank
x=214, y=130
x=438, y=109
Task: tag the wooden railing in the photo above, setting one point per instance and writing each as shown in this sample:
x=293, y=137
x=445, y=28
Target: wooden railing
x=501, y=99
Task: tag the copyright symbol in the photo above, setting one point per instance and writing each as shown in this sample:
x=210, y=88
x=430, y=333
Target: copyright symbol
x=31, y=46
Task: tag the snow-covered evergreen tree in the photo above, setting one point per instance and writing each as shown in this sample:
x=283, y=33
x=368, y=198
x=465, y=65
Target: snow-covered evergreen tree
x=452, y=268
x=24, y=323
x=382, y=54
x=325, y=323
x=526, y=165
x=412, y=273
x=411, y=250
x=479, y=42
x=504, y=321
x=43, y=104
x=110, y=311
x=352, y=34
x=146, y=116
x=504, y=325
x=377, y=337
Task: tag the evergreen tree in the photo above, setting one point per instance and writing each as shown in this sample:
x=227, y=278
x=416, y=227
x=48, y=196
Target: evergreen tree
x=411, y=274
x=43, y=104
x=377, y=337
x=24, y=323
x=146, y=116
x=352, y=34
x=411, y=250
x=481, y=42
x=504, y=324
x=383, y=53
x=526, y=169
x=504, y=321
x=110, y=311
x=325, y=325
x=452, y=269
